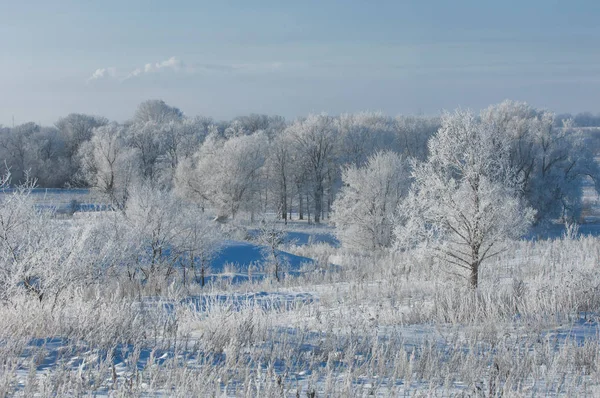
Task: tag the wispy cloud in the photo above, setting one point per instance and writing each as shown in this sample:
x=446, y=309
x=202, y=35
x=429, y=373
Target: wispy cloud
x=103, y=73
x=174, y=64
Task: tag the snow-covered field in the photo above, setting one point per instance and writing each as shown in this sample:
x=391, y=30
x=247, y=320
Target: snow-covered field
x=370, y=325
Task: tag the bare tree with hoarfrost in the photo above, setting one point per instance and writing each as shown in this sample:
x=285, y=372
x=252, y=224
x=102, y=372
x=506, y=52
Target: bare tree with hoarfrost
x=314, y=142
x=362, y=134
x=465, y=201
x=550, y=162
x=157, y=111
x=77, y=128
x=279, y=166
x=108, y=164
x=200, y=241
x=363, y=211
x=225, y=173
x=156, y=222
x=18, y=150
x=271, y=236
x=181, y=139
x=412, y=134
x=146, y=139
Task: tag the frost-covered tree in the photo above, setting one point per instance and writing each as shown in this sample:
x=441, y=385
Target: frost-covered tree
x=156, y=222
x=412, y=134
x=180, y=140
x=156, y=111
x=550, y=162
x=164, y=234
x=271, y=125
x=279, y=165
x=145, y=138
x=465, y=202
x=362, y=134
x=314, y=143
x=364, y=208
x=77, y=128
x=17, y=148
x=225, y=173
x=199, y=241
x=53, y=166
x=271, y=236
x=108, y=165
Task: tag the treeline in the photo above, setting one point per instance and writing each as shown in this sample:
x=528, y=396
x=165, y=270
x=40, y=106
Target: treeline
x=259, y=163
x=583, y=119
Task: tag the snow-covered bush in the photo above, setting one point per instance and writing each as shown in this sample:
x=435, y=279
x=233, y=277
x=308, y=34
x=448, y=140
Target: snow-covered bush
x=364, y=209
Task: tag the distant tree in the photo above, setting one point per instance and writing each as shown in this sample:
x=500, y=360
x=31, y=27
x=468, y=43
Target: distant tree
x=363, y=211
x=550, y=162
x=77, y=128
x=53, y=167
x=412, y=134
x=108, y=164
x=146, y=139
x=181, y=139
x=362, y=134
x=271, y=125
x=156, y=111
x=314, y=143
x=279, y=164
x=18, y=151
x=225, y=173
x=586, y=119
x=465, y=201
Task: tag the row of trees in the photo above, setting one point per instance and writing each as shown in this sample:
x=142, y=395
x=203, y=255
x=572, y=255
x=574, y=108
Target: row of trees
x=261, y=163
x=250, y=164
x=254, y=164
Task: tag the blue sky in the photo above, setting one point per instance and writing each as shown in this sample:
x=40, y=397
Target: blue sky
x=228, y=58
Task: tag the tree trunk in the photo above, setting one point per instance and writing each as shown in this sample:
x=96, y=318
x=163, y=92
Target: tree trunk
x=308, y=207
x=318, y=204
x=284, y=204
x=202, y=275
x=300, y=206
x=474, y=277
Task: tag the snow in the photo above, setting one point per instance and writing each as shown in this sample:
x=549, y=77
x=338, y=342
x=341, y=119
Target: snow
x=241, y=261
x=306, y=336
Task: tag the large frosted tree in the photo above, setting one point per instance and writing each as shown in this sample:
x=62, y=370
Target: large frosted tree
x=465, y=202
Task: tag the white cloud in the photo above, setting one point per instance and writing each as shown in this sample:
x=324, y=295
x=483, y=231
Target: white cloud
x=103, y=73
x=172, y=63
x=176, y=65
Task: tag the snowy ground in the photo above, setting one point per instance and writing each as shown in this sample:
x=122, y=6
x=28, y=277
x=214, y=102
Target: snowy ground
x=368, y=326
